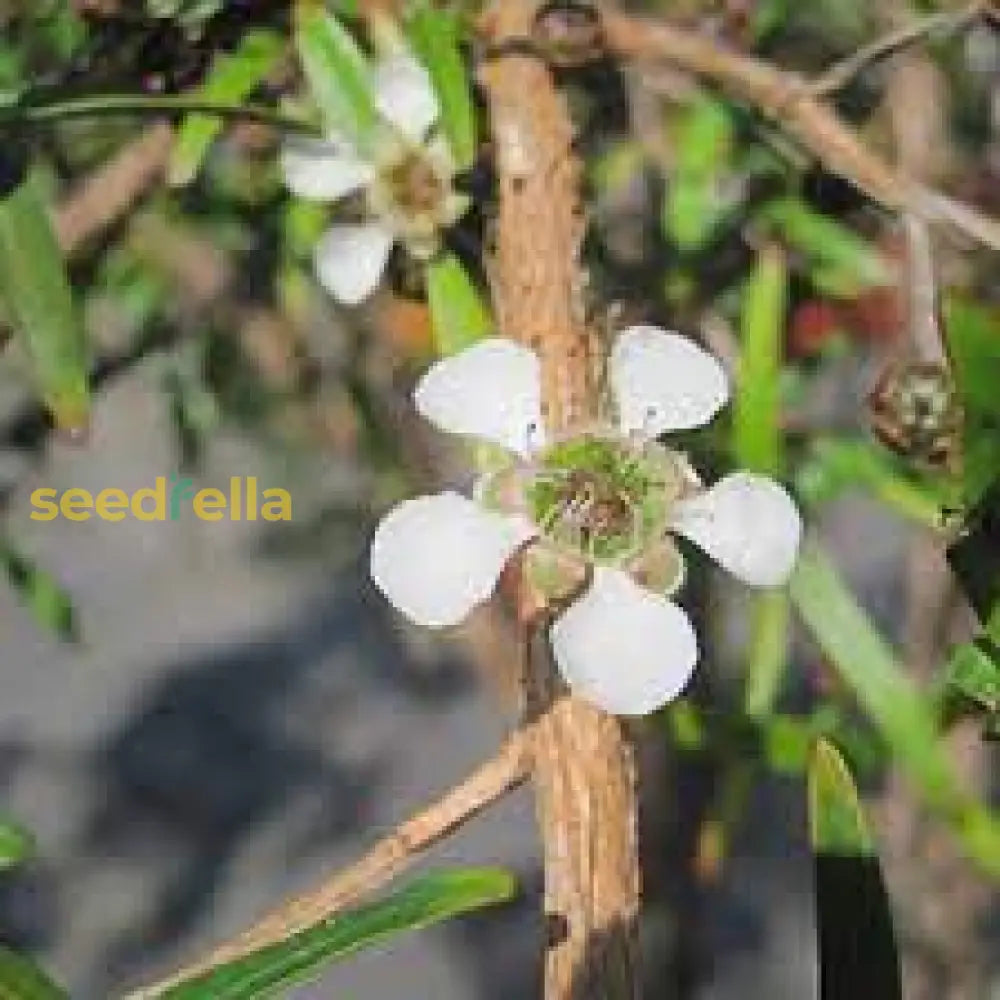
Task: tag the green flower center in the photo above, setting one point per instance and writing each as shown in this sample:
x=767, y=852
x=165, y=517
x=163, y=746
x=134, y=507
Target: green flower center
x=604, y=499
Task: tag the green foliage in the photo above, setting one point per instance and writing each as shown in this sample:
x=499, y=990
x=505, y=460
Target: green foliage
x=338, y=73
x=41, y=594
x=426, y=901
x=21, y=979
x=16, y=845
x=435, y=37
x=303, y=224
x=836, y=821
x=834, y=466
x=787, y=742
x=838, y=261
x=758, y=446
x=767, y=651
x=973, y=672
x=841, y=23
x=232, y=77
x=52, y=31
x=867, y=666
x=36, y=289
x=694, y=206
x=459, y=316
x=757, y=407
x=857, y=947
x=973, y=333
x=781, y=742
x=975, y=559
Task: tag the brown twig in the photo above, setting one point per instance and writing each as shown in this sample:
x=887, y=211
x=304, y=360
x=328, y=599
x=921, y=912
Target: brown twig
x=584, y=761
x=843, y=72
x=112, y=190
x=786, y=99
x=490, y=782
x=916, y=101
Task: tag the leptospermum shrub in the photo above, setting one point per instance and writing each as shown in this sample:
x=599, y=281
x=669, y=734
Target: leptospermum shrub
x=743, y=246
x=606, y=500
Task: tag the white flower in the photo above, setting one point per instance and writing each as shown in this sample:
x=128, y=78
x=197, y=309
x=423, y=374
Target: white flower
x=406, y=180
x=596, y=511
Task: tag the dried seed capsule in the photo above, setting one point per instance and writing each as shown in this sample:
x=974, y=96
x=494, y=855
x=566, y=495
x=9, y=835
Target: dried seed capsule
x=914, y=411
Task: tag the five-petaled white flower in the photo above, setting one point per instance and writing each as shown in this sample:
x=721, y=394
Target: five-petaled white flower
x=596, y=512
x=406, y=177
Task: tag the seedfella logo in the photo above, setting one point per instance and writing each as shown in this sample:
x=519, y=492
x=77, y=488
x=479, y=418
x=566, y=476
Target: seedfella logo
x=165, y=500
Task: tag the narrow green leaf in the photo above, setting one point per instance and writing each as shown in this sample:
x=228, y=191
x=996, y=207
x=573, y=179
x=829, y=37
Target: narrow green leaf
x=16, y=845
x=836, y=820
x=40, y=593
x=338, y=74
x=973, y=671
x=768, y=652
x=694, y=207
x=974, y=344
x=757, y=407
x=758, y=446
x=841, y=262
x=232, y=77
x=837, y=465
x=435, y=35
x=868, y=667
x=975, y=559
x=36, y=288
x=857, y=947
x=21, y=979
x=458, y=315
x=428, y=900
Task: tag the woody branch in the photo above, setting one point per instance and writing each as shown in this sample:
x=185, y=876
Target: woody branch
x=584, y=760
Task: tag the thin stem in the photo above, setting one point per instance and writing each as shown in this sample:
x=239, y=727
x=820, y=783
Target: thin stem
x=841, y=74
x=787, y=101
x=149, y=104
x=110, y=192
x=490, y=782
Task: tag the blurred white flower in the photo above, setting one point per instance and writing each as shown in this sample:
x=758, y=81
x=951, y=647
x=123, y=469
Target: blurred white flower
x=406, y=180
x=596, y=511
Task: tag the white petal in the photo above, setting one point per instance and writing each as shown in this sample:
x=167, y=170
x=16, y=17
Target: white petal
x=350, y=260
x=664, y=382
x=436, y=557
x=491, y=390
x=405, y=96
x=323, y=169
x=746, y=523
x=626, y=649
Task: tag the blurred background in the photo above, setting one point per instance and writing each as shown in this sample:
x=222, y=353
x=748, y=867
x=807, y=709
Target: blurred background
x=198, y=719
